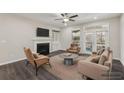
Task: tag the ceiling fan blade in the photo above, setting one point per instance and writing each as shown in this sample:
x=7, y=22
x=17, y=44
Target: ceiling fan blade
x=62, y=15
x=73, y=16
x=59, y=19
x=71, y=20
x=63, y=22
x=66, y=13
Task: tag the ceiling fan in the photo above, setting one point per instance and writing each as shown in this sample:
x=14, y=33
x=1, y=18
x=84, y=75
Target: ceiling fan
x=66, y=17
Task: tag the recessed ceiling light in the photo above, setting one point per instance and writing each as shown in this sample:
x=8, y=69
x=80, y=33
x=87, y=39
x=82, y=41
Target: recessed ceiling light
x=95, y=18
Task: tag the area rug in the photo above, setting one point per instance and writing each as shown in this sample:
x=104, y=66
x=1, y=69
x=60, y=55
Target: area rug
x=64, y=72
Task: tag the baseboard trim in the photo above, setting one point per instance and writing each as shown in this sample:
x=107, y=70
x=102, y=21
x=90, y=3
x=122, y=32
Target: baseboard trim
x=122, y=61
x=117, y=59
x=12, y=61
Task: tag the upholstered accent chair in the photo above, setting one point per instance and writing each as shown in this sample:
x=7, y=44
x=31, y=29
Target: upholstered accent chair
x=74, y=48
x=35, y=59
x=96, y=66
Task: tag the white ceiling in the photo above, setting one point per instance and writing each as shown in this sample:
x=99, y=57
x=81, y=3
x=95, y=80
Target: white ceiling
x=49, y=18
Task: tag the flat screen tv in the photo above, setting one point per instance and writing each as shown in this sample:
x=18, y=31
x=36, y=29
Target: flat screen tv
x=41, y=32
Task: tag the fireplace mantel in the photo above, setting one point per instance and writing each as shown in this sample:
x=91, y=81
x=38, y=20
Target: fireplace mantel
x=41, y=39
x=38, y=40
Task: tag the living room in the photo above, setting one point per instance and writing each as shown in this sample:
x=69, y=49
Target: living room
x=61, y=46
x=90, y=31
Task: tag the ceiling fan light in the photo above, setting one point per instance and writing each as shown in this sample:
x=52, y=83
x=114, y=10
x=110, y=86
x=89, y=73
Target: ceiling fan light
x=66, y=19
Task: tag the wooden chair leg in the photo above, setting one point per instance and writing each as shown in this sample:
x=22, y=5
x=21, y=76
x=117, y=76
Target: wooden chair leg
x=50, y=65
x=36, y=71
x=84, y=77
x=36, y=68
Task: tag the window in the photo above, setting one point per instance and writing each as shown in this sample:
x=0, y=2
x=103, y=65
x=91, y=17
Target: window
x=55, y=35
x=96, y=37
x=76, y=36
x=101, y=39
x=55, y=40
x=89, y=42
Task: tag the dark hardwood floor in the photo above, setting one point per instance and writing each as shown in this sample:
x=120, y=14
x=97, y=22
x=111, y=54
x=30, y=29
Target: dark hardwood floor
x=117, y=70
x=19, y=71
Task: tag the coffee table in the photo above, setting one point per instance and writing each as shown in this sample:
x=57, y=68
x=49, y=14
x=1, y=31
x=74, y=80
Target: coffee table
x=69, y=58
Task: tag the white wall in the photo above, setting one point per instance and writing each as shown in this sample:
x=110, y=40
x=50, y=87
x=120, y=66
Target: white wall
x=114, y=34
x=15, y=33
x=115, y=37
x=122, y=38
x=66, y=38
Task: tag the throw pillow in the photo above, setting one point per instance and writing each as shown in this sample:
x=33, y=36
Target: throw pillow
x=106, y=53
x=102, y=60
x=95, y=59
x=100, y=51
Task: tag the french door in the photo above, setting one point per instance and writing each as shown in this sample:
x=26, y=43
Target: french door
x=55, y=40
x=96, y=39
x=90, y=42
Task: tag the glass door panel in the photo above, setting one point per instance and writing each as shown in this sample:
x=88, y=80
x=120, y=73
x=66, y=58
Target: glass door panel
x=89, y=42
x=76, y=36
x=101, y=39
x=96, y=37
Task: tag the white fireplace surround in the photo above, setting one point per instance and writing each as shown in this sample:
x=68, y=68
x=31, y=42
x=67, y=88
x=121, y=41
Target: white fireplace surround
x=40, y=41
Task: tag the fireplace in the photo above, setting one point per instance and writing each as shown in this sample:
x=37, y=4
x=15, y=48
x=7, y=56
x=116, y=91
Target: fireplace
x=43, y=48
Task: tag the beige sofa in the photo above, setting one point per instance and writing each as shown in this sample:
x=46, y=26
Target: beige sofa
x=96, y=66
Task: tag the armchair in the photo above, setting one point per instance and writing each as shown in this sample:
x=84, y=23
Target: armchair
x=35, y=59
x=74, y=48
